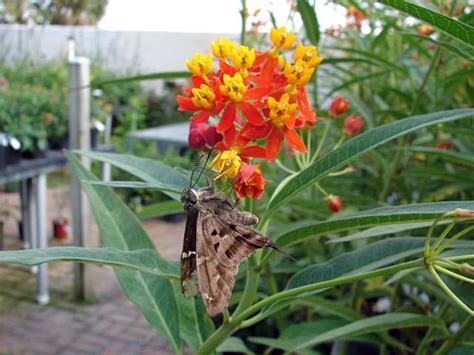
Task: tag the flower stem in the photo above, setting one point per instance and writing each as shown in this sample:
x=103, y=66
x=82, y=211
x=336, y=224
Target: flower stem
x=339, y=142
x=453, y=274
x=452, y=240
x=321, y=142
x=443, y=235
x=448, y=290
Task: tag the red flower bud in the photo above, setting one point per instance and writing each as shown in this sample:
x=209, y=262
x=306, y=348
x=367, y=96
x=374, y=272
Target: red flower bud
x=249, y=182
x=338, y=106
x=196, y=139
x=212, y=136
x=334, y=203
x=444, y=145
x=197, y=125
x=353, y=124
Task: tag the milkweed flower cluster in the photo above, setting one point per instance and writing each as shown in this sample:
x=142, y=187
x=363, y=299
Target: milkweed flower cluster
x=258, y=100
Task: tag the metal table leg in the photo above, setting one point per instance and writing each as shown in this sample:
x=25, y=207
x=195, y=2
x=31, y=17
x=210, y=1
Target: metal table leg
x=29, y=217
x=37, y=209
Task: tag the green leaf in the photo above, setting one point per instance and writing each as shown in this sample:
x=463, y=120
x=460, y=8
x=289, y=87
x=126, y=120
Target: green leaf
x=145, y=260
x=353, y=148
x=374, y=58
x=196, y=326
x=160, y=209
x=353, y=81
x=304, y=335
x=233, y=345
x=165, y=188
x=297, y=334
x=370, y=257
x=455, y=28
x=152, y=76
x=120, y=229
x=382, y=230
x=369, y=218
x=443, y=44
x=310, y=20
x=151, y=171
x=448, y=155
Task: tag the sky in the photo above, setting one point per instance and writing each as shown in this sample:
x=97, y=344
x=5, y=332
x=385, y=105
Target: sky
x=208, y=16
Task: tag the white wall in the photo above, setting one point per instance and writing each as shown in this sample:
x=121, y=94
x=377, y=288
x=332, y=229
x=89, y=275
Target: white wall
x=120, y=51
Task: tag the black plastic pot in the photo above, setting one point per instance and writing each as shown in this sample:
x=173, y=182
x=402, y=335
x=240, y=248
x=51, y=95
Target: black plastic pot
x=94, y=138
x=3, y=151
x=58, y=143
x=35, y=154
x=14, y=151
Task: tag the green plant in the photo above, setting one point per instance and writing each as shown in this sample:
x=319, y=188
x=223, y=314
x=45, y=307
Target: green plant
x=390, y=269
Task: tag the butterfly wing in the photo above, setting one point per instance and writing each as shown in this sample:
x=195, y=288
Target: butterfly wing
x=189, y=283
x=221, y=245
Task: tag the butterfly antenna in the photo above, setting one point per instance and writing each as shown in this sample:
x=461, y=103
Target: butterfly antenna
x=275, y=247
x=194, y=170
x=204, y=167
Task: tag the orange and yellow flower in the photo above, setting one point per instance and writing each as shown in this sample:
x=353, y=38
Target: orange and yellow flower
x=256, y=99
x=249, y=182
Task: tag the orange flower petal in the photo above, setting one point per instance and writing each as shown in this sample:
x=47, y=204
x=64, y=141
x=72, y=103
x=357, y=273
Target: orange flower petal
x=294, y=140
x=258, y=93
x=229, y=136
x=227, y=118
x=254, y=151
x=201, y=117
x=254, y=132
x=269, y=67
x=251, y=113
x=274, y=141
x=197, y=81
x=226, y=68
x=185, y=104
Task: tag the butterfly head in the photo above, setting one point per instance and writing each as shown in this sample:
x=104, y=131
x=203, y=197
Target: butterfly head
x=189, y=198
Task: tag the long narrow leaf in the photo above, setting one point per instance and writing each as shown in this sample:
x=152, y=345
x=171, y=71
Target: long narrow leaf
x=455, y=28
x=310, y=20
x=144, y=77
x=356, y=146
x=145, y=260
x=120, y=229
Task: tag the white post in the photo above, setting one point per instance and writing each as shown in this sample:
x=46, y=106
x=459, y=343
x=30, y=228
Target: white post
x=40, y=192
x=79, y=138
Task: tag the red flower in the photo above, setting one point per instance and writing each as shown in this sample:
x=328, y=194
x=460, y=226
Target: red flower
x=307, y=117
x=236, y=91
x=334, y=203
x=204, y=98
x=249, y=182
x=281, y=124
x=338, y=106
x=352, y=125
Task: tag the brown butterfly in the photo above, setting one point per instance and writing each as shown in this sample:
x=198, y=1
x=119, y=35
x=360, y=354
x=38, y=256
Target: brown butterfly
x=217, y=238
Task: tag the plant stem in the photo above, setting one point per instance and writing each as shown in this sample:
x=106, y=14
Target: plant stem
x=448, y=290
x=451, y=342
x=324, y=192
x=452, y=240
x=339, y=142
x=321, y=142
x=443, y=235
x=243, y=14
x=454, y=275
